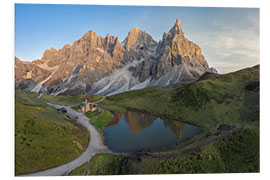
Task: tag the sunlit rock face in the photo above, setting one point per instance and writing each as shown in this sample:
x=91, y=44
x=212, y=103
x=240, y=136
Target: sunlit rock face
x=174, y=59
x=103, y=65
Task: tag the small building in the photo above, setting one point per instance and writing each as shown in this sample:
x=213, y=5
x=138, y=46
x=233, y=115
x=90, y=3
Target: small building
x=86, y=106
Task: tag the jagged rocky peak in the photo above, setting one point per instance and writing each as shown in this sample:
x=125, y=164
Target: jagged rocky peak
x=49, y=54
x=137, y=37
x=175, y=49
x=137, y=45
x=113, y=47
x=176, y=29
x=173, y=60
x=102, y=65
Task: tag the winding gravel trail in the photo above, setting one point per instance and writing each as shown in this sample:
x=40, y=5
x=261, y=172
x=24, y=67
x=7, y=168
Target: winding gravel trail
x=95, y=146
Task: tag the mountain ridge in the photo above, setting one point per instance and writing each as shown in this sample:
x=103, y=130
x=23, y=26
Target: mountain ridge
x=91, y=62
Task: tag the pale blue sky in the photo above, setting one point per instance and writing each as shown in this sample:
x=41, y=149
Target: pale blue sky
x=229, y=37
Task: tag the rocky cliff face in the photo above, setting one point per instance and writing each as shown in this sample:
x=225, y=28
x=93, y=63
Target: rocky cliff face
x=75, y=68
x=174, y=50
x=104, y=66
x=172, y=60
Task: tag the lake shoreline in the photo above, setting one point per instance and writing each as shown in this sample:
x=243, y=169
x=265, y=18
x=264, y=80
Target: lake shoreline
x=141, y=128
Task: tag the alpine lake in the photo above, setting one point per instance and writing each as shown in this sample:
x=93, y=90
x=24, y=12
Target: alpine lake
x=136, y=131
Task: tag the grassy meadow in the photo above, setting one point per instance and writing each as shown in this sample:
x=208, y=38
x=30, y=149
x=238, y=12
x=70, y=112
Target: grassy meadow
x=69, y=100
x=101, y=122
x=212, y=102
x=44, y=137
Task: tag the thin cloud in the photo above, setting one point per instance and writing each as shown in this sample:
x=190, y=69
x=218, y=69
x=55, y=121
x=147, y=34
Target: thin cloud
x=236, y=48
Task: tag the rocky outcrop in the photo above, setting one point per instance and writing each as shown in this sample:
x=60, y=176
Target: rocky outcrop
x=78, y=66
x=137, y=44
x=175, y=49
x=27, y=75
x=106, y=66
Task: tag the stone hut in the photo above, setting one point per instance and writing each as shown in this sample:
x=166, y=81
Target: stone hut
x=87, y=107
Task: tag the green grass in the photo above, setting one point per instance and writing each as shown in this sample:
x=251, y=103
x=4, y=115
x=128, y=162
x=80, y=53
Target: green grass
x=79, y=171
x=70, y=100
x=233, y=153
x=106, y=164
x=76, y=107
x=214, y=100
x=90, y=114
x=101, y=122
x=240, y=151
x=44, y=137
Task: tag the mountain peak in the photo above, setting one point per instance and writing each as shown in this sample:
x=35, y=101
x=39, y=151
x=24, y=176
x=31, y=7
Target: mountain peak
x=176, y=29
x=137, y=36
x=49, y=53
x=135, y=31
x=83, y=66
x=178, y=22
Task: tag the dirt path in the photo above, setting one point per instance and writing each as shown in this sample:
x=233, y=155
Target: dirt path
x=95, y=146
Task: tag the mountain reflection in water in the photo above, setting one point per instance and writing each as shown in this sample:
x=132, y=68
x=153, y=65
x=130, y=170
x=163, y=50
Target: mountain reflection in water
x=135, y=131
x=139, y=121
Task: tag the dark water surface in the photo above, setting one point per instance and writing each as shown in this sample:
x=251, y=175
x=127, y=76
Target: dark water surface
x=137, y=131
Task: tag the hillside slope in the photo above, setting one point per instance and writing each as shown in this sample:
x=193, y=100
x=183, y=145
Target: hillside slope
x=44, y=137
x=209, y=102
x=226, y=107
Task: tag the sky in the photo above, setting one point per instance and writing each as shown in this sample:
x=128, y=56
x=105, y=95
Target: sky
x=229, y=37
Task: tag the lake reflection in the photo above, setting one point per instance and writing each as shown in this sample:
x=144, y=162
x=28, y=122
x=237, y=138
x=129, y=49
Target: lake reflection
x=136, y=131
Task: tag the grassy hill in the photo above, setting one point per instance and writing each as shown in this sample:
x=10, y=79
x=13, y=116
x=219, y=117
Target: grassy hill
x=70, y=100
x=213, y=100
x=226, y=107
x=44, y=137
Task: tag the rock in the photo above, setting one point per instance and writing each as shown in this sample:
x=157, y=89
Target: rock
x=175, y=50
x=137, y=39
x=132, y=69
x=138, y=69
x=90, y=62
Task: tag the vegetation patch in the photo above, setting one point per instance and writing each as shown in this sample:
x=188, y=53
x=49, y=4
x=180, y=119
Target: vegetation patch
x=229, y=153
x=240, y=151
x=208, y=103
x=226, y=107
x=101, y=122
x=70, y=100
x=106, y=164
x=191, y=97
x=91, y=114
x=44, y=137
x=79, y=171
x=76, y=108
